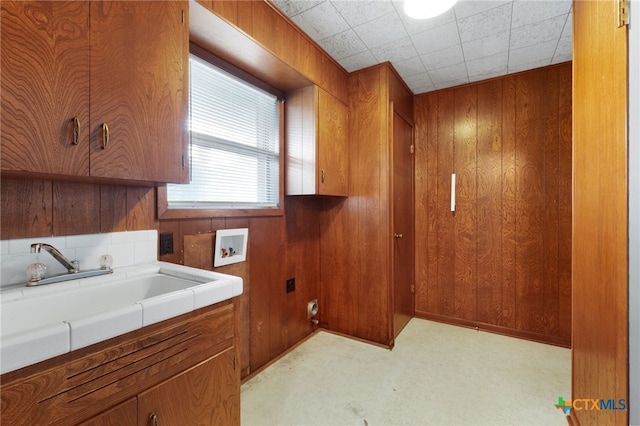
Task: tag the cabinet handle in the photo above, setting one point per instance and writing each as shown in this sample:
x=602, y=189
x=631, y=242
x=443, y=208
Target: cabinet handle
x=153, y=419
x=323, y=176
x=453, y=192
x=76, y=130
x=105, y=135
x=396, y=235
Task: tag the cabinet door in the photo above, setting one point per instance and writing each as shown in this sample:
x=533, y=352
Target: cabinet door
x=123, y=414
x=139, y=64
x=45, y=87
x=207, y=394
x=332, y=164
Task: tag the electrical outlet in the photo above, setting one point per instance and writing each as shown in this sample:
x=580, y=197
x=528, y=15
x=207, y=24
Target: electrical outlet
x=166, y=243
x=291, y=285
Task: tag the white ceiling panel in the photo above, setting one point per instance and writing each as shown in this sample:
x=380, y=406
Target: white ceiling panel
x=443, y=58
x=492, y=21
x=474, y=40
x=382, y=30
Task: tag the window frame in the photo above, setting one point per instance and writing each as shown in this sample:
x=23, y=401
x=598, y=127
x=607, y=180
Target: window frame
x=163, y=210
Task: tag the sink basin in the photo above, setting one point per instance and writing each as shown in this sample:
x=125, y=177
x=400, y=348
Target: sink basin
x=41, y=322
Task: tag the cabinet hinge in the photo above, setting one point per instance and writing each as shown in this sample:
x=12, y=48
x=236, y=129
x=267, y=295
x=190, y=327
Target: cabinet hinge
x=623, y=13
x=234, y=362
x=412, y=149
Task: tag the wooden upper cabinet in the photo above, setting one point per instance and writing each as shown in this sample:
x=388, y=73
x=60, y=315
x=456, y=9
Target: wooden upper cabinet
x=45, y=87
x=139, y=65
x=316, y=143
x=84, y=74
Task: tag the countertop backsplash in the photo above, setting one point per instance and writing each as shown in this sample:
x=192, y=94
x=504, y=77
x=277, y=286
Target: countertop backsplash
x=126, y=249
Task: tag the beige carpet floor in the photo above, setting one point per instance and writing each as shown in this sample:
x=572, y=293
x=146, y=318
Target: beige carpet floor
x=437, y=374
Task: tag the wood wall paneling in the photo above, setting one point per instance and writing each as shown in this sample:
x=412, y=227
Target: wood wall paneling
x=303, y=264
x=76, y=208
x=564, y=203
x=336, y=266
x=502, y=256
x=368, y=178
x=444, y=136
x=113, y=208
x=530, y=202
x=242, y=303
x=489, y=202
x=356, y=233
x=27, y=208
x=465, y=164
x=267, y=288
x=507, y=316
x=39, y=208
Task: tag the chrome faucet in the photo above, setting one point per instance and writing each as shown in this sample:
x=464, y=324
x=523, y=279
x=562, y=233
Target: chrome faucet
x=36, y=275
x=73, y=267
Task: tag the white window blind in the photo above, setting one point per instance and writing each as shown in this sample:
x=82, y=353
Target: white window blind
x=235, y=143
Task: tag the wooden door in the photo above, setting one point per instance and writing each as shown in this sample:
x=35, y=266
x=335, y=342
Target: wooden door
x=600, y=221
x=403, y=238
x=139, y=63
x=45, y=86
x=207, y=394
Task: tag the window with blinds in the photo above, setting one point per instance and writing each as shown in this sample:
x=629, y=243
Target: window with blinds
x=235, y=143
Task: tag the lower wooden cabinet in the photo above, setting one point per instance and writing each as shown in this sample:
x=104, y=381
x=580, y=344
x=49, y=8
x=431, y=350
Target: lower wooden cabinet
x=178, y=372
x=206, y=394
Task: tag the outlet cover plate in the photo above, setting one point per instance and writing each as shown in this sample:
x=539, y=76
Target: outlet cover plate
x=166, y=243
x=291, y=285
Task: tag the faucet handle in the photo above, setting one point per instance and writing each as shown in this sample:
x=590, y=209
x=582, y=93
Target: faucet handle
x=106, y=261
x=36, y=272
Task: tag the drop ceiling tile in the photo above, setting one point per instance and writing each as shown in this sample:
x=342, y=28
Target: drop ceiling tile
x=292, y=8
x=486, y=46
x=361, y=33
x=451, y=73
x=396, y=51
x=357, y=12
x=410, y=67
x=465, y=8
x=415, y=26
x=358, y=61
x=565, y=47
x=420, y=83
x=528, y=66
x=487, y=74
x=538, y=32
x=321, y=21
x=344, y=44
x=443, y=58
x=568, y=26
x=488, y=67
x=452, y=83
x=436, y=38
x=558, y=59
x=382, y=30
x=492, y=21
x=530, y=11
x=539, y=52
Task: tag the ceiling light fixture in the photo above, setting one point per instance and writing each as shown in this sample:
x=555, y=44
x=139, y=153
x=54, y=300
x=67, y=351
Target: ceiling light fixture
x=424, y=9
